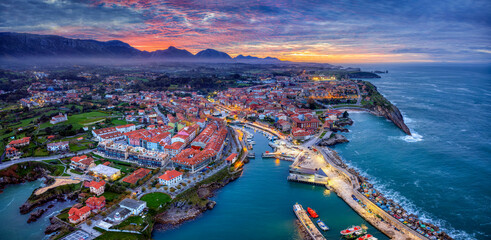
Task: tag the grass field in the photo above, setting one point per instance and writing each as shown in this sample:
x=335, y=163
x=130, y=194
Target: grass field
x=156, y=199
x=78, y=120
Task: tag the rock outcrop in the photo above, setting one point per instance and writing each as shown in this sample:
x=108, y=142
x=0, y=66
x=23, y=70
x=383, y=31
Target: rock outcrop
x=57, y=225
x=36, y=215
x=333, y=140
x=394, y=115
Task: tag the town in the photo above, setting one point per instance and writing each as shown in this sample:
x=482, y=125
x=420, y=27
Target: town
x=124, y=155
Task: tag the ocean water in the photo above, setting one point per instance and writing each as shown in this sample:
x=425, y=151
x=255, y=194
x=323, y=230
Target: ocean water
x=14, y=225
x=259, y=205
x=443, y=171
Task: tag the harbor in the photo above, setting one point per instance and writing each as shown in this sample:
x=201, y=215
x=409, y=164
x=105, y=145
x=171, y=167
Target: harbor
x=263, y=198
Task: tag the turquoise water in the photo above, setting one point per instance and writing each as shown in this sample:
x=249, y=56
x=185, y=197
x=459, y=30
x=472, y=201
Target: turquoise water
x=259, y=205
x=14, y=225
x=443, y=172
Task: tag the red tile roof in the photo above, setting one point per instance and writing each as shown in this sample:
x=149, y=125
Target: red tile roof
x=96, y=184
x=168, y=175
x=136, y=175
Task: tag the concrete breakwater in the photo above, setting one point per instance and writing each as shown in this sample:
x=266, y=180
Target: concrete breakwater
x=375, y=208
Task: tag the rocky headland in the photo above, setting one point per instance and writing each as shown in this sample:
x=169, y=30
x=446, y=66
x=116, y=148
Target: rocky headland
x=183, y=208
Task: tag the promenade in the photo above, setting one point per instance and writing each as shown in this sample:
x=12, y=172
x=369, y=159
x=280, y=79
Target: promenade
x=7, y=164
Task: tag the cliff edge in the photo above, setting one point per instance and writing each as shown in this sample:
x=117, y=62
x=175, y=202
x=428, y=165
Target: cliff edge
x=380, y=106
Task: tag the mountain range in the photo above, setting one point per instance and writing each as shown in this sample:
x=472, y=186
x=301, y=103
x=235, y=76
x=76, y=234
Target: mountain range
x=22, y=45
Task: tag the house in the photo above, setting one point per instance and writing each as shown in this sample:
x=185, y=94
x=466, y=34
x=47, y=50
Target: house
x=126, y=128
x=20, y=142
x=106, y=172
x=134, y=206
x=174, y=148
x=12, y=152
x=231, y=159
x=76, y=215
x=97, y=188
x=82, y=162
x=170, y=178
x=284, y=125
x=58, y=146
x=136, y=175
x=96, y=203
x=58, y=118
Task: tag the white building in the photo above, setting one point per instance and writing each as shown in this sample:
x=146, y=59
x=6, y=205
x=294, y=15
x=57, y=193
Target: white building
x=170, y=178
x=134, y=206
x=58, y=118
x=58, y=146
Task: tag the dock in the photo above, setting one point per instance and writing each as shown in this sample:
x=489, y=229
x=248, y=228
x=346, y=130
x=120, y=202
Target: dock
x=307, y=222
x=307, y=179
x=279, y=156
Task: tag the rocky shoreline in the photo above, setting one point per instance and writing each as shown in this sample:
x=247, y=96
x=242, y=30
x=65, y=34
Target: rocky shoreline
x=181, y=211
x=12, y=175
x=334, y=139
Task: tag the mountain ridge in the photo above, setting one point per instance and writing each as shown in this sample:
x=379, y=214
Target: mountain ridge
x=21, y=45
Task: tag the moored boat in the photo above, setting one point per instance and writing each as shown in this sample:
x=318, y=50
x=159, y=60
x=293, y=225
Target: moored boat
x=312, y=213
x=322, y=225
x=353, y=232
x=367, y=237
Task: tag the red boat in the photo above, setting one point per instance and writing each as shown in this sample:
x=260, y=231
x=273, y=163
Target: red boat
x=351, y=230
x=367, y=237
x=312, y=213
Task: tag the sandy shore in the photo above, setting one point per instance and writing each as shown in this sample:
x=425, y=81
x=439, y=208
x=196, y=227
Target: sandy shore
x=58, y=182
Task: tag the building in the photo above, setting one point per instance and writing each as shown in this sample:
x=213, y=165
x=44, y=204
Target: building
x=58, y=146
x=97, y=188
x=231, y=159
x=136, y=175
x=20, y=142
x=305, y=121
x=76, y=215
x=12, y=152
x=96, y=203
x=138, y=155
x=170, y=178
x=126, y=128
x=174, y=148
x=193, y=159
x=82, y=162
x=58, y=118
x=134, y=206
x=106, y=172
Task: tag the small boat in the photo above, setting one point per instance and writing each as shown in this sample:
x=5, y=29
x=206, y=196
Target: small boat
x=322, y=225
x=312, y=213
x=353, y=232
x=367, y=237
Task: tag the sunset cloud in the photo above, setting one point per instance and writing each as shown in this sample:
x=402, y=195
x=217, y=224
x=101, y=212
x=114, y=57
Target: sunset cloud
x=320, y=31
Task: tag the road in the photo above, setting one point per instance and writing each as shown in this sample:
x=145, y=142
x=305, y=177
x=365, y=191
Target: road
x=37, y=159
x=156, y=108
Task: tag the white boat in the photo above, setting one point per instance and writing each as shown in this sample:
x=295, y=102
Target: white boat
x=322, y=225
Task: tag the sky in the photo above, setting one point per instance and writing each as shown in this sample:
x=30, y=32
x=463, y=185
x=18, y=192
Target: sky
x=339, y=31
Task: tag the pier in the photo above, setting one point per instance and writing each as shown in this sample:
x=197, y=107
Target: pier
x=307, y=222
x=279, y=156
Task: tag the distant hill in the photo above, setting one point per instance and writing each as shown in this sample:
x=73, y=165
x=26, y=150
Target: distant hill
x=212, y=53
x=23, y=45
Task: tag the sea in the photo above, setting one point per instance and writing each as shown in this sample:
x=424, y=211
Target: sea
x=442, y=172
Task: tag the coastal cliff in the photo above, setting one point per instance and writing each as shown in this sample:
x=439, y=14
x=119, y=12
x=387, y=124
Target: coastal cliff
x=380, y=106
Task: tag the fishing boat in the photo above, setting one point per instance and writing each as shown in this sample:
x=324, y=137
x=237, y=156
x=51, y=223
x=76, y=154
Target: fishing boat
x=322, y=225
x=312, y=213
x=367, y=237
x=353, y=232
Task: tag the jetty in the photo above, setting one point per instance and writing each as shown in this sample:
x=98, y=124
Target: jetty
x=279, y=156
x=307, y=222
